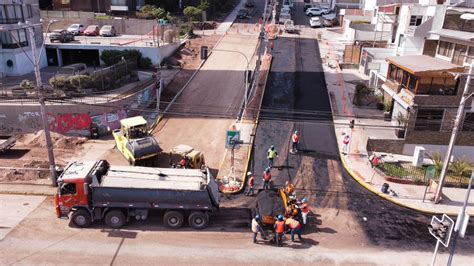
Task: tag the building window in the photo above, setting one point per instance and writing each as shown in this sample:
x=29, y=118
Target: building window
x=437, y=86
x=470, y=55
x=468, y=124
x=416, y=20
x=118, y=2
x=29, y=11
x=65, y=2
x=11, y=14
x=459, y=54
x=429, y=119
x=445, y=48
x=412, y=83
x=14, y=39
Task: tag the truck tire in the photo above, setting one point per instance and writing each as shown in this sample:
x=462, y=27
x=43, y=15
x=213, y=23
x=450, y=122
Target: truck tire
x=115, y=219
x=173, y=219
x=81, y=218
x=198, y=220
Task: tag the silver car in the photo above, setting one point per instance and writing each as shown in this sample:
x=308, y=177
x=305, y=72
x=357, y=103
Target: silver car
x=108, y=30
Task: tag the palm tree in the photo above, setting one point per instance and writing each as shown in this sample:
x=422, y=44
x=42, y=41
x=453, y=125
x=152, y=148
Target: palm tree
x=437, y=159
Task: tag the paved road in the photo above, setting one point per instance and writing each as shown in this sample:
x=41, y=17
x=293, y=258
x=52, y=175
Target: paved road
x=345, y=211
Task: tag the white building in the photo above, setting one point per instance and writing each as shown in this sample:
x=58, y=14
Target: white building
x=14, y=38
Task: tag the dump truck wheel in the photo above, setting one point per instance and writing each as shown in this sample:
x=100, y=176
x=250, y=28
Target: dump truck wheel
x=198, y=220
x=81, y=218
x=173, y=219
x=115, y=219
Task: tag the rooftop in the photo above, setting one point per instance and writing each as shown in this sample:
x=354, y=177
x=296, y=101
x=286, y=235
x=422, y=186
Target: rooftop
x=133, y=121
x=422, y=64
x=454, y=34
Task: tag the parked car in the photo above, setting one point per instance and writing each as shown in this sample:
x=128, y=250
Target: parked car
x=284, y=17
x=314, y=11
x=329, y=22
x=61, y=35
x=326, y=10
x=108, y=30
x=72, y=70
x=306, y=6
x=76, y=29
x=242, y=14
x=249, y=3
x=314, y=22
x=92, y=30
x=289, y=27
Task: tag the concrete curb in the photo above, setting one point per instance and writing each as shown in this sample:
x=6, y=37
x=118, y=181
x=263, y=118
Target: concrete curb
x=26, y=192
x=244, y=179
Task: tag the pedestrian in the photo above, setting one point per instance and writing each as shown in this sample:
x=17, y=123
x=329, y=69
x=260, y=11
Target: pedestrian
x=279, y=230
x=250, y=184
x=267, y=177
x=256, y=228
x=345, y=143
x=295, y=139
x=295, y=227
x=271, y=155
x=304, y=209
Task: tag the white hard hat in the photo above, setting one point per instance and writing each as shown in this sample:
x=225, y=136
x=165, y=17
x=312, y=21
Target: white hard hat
x=249, y=173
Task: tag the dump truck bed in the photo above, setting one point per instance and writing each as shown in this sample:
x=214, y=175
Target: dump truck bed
x=156, y=188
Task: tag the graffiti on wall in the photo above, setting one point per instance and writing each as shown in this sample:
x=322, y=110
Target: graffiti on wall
x=145, y=98
x=109, y=121
x=70, y=123
x=32, y=120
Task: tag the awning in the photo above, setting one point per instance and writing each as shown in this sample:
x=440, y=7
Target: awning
x=396, y=97
x=119, y=8
x=454, y=34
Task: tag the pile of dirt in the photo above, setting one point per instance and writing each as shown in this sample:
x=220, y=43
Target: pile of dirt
x=269, y=203
x=59, y=141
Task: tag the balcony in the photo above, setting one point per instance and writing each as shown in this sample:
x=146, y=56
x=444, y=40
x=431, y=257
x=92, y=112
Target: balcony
x=393, y=85
x=420, y=31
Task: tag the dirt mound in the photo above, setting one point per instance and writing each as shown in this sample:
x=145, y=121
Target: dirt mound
x=59, y=141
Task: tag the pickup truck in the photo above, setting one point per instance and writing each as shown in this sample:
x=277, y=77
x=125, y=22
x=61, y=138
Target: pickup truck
x=7, y=142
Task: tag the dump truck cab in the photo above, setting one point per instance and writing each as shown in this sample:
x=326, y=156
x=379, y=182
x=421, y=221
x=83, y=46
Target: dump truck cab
x=134, y=142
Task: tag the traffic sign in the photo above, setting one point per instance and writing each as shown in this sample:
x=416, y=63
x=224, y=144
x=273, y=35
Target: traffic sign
x=232, y=139
x=441, y=229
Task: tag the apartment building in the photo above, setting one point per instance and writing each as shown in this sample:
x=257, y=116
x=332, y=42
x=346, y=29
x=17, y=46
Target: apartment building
x=14, y=36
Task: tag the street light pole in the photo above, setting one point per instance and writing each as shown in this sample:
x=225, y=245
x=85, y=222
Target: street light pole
x=39, y=88
x=457, y=121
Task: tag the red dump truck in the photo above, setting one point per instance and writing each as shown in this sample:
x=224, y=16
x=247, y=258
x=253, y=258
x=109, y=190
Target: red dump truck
x=91, y=191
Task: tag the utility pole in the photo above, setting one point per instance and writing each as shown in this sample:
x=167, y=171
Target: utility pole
x=457, y=121
x=39, y=90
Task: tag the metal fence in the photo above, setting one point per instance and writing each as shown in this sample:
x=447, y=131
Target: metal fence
x=408, y=172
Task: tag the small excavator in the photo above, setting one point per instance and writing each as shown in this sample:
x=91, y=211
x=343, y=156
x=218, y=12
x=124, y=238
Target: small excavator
x=135, y=143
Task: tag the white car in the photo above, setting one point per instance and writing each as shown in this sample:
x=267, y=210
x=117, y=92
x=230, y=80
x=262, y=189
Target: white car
x=314, y=11
x=76, y=29
x=314, y=22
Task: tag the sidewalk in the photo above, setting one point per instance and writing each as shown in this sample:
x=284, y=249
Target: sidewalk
x=233, y=180
x=340, y=87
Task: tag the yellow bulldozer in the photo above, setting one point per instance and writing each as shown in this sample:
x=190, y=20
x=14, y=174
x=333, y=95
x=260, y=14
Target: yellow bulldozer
x=135, y=143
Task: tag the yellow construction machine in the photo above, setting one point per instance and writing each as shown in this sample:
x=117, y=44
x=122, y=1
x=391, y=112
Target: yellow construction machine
x=185, y=156
x=135, y=143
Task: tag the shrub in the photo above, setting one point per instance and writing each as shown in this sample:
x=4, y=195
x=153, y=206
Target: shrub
x=80, y=81
x=193, y=13
x=26, y=85
x=145, y=63
x=58, y=82
x=151, y=11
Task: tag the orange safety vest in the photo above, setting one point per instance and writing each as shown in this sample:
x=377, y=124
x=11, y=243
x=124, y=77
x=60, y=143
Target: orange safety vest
x=295, y=138
x=280, y=227
x=267, y=176
x=250, y=182
x=290, y=188
x=304, y=208
x=292, y=223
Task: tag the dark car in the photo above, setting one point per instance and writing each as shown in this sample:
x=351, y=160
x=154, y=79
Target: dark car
x=249, y=3
x=242, y=14
x=61, y=35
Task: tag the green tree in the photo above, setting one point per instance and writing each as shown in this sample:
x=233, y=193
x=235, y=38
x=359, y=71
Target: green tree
x=193, y=13
x=151, y=11
x=437, y=159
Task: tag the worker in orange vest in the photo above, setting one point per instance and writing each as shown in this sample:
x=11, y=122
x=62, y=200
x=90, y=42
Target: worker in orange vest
x=295, y=227
x=290, y=189
x=295, y=139
x=250, y=184
x=304, y=209
x=279, y=230
x=267, y=177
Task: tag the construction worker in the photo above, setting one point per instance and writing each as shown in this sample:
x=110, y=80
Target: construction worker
x=256, y=227
x=345, y=143
x=279, y=230
x=250, y=184
x=267, y=177
x=295, y=227
x=290, y=189
x=304, y=209
x=271, y=155
x=295, y=139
